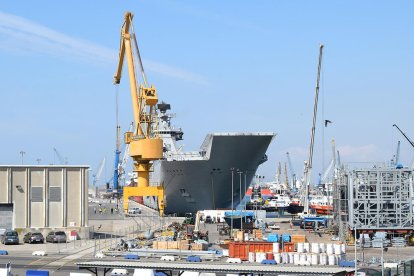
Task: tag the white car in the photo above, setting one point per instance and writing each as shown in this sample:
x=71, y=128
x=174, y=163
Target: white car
x=134, y=211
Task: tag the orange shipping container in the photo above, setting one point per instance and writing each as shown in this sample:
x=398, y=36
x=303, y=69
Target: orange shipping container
x=289, y=247
x=241, y=249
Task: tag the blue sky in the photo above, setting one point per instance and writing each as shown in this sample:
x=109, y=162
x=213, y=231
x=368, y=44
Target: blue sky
x=222, y=65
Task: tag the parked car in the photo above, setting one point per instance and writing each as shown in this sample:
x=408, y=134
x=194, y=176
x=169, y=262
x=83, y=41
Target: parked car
x=33, y=237
x=58, y=236
x=134, y=211
x=10, y=237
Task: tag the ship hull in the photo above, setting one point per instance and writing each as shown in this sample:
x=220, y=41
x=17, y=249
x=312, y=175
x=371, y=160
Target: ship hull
x=206, y=183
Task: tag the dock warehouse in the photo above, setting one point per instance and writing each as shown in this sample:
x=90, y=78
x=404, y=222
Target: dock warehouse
x=54, y=196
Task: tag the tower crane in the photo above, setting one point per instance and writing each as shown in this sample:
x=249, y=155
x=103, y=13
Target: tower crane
x=144, y=144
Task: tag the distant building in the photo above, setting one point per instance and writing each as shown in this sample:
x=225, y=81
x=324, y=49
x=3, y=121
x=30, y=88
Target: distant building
x=43, y=196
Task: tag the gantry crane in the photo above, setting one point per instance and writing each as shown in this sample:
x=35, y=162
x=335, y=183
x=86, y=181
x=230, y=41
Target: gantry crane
x=144, y=144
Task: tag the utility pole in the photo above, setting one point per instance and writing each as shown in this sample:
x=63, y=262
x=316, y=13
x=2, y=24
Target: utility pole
x=232, y=201
x=241, y=213
x=22, y=153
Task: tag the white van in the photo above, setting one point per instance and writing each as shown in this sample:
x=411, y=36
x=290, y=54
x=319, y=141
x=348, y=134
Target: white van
x=134, y=211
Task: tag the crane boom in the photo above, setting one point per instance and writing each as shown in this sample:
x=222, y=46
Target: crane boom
x=292, y=172
x=406, y=137
x=308, y=167
x=145, y=145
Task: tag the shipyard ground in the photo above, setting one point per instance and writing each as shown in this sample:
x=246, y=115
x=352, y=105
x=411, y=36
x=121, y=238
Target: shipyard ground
x=61, y=258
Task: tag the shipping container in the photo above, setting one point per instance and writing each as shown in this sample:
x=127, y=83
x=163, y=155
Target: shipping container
x=241, y=249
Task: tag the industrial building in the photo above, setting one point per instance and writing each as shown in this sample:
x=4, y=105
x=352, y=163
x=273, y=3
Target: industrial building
x=43, y=196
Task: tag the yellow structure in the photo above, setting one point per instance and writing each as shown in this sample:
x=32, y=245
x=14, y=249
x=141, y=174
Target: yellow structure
x=145, y=146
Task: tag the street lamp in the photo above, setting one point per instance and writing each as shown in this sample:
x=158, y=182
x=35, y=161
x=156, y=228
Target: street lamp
x=232, y=201
x=22, y=153
x=240, y=196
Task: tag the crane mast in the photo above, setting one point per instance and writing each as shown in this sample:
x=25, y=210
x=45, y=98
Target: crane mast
x=144, y=144
x=308, y=166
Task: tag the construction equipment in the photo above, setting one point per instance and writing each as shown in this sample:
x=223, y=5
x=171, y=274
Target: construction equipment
x=96, y=177
x=396, y=158
x=406, y=137
x=145, y=145
x=292, y=172
x=62, y=161
x=308, y=165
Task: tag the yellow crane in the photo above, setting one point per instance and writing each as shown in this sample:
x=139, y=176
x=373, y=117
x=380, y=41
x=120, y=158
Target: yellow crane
x=144, y=144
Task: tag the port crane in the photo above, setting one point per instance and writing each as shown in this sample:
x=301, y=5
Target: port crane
x=96, y=177
x=308, y=164
x=63, y=161
x=144, y=144
x=405, y=136
x=292, y=171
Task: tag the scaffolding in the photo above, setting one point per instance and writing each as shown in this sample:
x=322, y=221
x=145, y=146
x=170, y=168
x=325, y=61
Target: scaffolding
x=376, y=199
x=381, y=199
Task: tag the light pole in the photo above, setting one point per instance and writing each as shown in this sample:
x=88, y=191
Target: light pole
x=241, y=213
x=355, y=243
x=22, y=153
x=232, y=201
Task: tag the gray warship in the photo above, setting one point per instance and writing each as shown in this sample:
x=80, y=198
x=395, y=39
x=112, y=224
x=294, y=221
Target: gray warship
x=202, y=180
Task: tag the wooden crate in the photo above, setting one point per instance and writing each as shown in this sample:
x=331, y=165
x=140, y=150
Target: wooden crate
x=298, y=238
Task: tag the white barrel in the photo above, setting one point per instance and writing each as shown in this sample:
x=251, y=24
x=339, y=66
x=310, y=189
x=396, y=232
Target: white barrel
x=329, y=249
x=277, y=257
x=315, y=247
x=343, y=248
x=323, y=259
x=296, y=258
x=285, y=258
x=276, y=247
x=314, y=259
x=302, y=258
x=300, y=247
x=251, y=257
x=306, y=248
x=260, y=256
x=331, y=260
x=309, y=257
x=322, y=248
x=291, y=257
x=337, y=249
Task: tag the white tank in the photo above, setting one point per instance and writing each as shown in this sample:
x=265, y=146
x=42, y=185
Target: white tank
x=291, y=257
x=315, y=247
x=306, y=248
x=296, y=258
x=331, y=260
x=276, y=247
x=343, y=248
x=314, y=259
x=251, y=257
x=322, y=248
x=323, y=259
x=329, y=249
x=278, y=258
x=337, y=249
x=300, y=247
